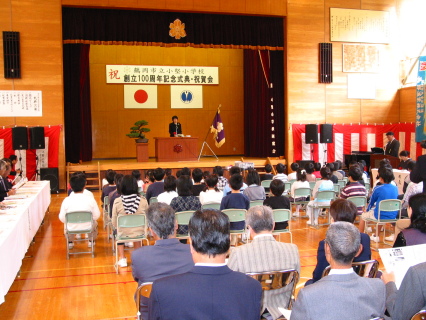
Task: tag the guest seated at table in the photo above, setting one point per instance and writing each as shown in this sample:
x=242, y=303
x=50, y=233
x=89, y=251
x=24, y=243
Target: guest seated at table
x=158, y=186
x=4, y=190
x=264, y=254
x=281, y=168
x=212, y=194
x=342, y=294
x=198, y=186
x=340, y=210
x=110, y=186
x=169, y=190
x=416, y=232
x=268, y=175
x=79, y=201
x=404, y=156
x=254, y=191
x=129, y=202
x=6, y=174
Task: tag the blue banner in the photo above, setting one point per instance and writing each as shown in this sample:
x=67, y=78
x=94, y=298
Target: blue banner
x=420, y=101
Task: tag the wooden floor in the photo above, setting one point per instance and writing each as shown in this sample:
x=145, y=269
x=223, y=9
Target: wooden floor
x=52, y=287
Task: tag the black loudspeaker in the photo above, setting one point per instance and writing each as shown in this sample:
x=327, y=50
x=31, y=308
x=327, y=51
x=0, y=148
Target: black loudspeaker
x=311, y=133
x=20, y=138
x=325, y=63
x=11, y=55
x=37, y=138
x=326, y=135
x=52, y=175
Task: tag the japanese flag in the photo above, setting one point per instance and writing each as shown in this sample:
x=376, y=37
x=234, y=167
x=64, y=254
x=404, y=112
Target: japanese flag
x=143, y=97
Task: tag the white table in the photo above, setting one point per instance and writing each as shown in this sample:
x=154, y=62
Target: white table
x=400, y=176
x=18, y=227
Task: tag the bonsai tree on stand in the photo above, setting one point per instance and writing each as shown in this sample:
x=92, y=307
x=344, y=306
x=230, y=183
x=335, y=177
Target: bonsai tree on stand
x=138, y=131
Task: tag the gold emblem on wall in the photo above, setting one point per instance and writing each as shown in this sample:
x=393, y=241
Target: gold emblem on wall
x=177, y=29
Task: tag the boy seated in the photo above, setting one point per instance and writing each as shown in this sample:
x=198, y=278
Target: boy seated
x=78, y=201
x=268, y=175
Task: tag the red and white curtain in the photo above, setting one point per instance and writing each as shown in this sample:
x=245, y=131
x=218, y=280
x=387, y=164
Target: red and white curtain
x=47, y=158
x=354, y=137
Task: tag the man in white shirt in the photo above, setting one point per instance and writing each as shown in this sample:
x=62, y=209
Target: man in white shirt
x=342, y=294
x=79, y=201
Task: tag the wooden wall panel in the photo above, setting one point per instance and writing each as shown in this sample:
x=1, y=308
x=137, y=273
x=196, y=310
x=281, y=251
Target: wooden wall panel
x=110, y=121
x=407, y=101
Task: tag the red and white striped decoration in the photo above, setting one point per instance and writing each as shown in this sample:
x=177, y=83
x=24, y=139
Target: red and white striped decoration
x=354, y=137
x=47, y=158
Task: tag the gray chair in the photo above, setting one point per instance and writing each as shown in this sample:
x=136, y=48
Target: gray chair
x=282, y=215
x=366, y=269
x=80, y=217
x=215, y=206
x=327, y=196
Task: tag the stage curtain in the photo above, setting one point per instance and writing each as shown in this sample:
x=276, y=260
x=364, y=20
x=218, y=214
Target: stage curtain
x=136, y=27
x=263, y=124
x=78, y=123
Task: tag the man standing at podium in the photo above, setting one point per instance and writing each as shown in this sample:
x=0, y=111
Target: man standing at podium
x=175, y=127
x=392, y=147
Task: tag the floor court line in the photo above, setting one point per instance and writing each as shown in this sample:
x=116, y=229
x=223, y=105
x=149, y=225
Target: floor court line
x=67, y=287
x=71, y=275
x=88, y=267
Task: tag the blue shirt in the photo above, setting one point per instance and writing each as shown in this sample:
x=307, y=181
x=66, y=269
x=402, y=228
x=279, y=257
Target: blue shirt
x=384, y=191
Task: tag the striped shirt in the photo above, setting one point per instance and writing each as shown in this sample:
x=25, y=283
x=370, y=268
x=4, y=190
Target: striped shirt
x=354, y=189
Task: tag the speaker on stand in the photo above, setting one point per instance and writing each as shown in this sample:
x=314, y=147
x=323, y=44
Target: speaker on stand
x=311, y=136
x=326, y=136
x=37, y=142
x=51, y=174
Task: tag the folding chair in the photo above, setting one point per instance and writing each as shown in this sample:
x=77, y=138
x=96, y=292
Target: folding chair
x=215, y=206
x=336, y=189
x=79, y=217
x=366, y=269
x=327, y=196
x=421, y=315
x=236, y=215
x=359, y=201
x=312, y=184
x=298, y=193
x=282, y=215
x=107, y=220
x=287, y=187
x=266, y=185
x=130, y=221
x=367, y=187
x=275, y=280
x=256, y=203
x=385, y=206
x=341, y=183
x=144, y=290
x=182, y=219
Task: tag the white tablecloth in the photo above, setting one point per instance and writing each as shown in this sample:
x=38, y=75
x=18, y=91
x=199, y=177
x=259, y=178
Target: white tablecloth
x=18, y=227
x=399, y=178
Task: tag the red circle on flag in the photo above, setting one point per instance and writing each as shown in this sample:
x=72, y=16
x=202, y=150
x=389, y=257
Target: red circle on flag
x=141, y=96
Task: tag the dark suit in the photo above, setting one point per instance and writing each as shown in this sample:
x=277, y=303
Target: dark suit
x=167, y=257
x=411, y=297
x=3, y=189
x=322, y=262
x=206, y=293
x=175, y=128
x=392, y=148
x=419, y=172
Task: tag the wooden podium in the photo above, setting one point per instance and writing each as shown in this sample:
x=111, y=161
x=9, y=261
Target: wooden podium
x=142, y=152
x=172, y=149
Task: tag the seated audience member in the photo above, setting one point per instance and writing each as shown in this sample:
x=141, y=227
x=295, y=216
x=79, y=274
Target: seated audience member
x=78, y=201
x=325, y=184
x=137, y=175
x=268, y=175
x=263, y=254
x=278, y=201
x=235, y=200
x=169, y=190
x=384, y=191
x=149, y=179
x=340, y=168
x=110, y=186
x=168, y=172
x=309, y=168
x=197, y=187
x=115, y=193
x=232, y=171
x=85, y=191
x=416, y=231
x=340, y=210
x=419, y=171
x=317, y=170
x=336, y=171
x=333, y=178
x=8, y=183
x=410, y=298
x=342, y=294
x=105, y=180
x=281, y=168
x=221, y=180
x=407, y=181
x=185, y=201
x=254, y=191
x=166, y=257
x=363, y=165
x=206, y=174
x=212, y=194
x=158, y=186
x=361, y=180
x=354, y=188
x=210, y=290
x=300, y=183
x=129, y=202
x=404, y=156
x=294, y=167
x=186, y=172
